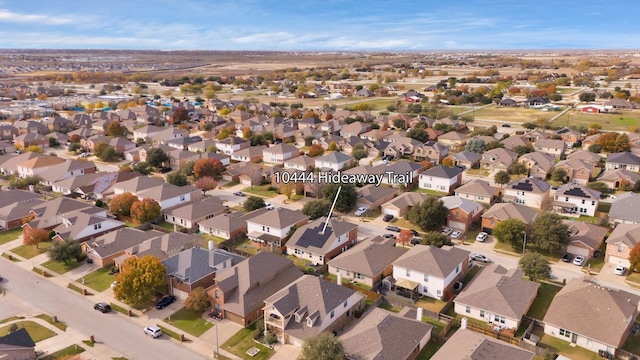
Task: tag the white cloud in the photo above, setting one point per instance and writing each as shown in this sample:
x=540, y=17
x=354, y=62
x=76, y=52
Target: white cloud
x=9, y=16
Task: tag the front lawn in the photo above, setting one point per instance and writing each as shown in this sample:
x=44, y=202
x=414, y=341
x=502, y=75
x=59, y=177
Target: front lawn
x=405, y=224
x=189, y=321
x=10, y=235
x=60, y=267
x=30, y=251
x=541, y=303
x=60, y=325
x=35, y=330
x=261, y=190
x=242, y=341
x=66, y=353
x=99, y=280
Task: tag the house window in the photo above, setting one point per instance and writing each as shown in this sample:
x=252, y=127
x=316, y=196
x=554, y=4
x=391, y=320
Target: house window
x=593, y=203
x=319, y=258
x=439, y=293
x=182, y=198
x=97, y=226
x=500, y=319
x=566, y=198
x=426, y=277
x=583, y=201
x=458, y=268
x=332, y=314
x=457, y=215
x=565, y=333
x=493, y=222
x=408, y=273
x=217, y=294
x=345, y=303
x=468, y=310
x=620, y=248
x=482, y=313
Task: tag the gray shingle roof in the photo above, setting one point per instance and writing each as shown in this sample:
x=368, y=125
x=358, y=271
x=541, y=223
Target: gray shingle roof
x=196, y=263
x=311, y=238
x=431, y=260
x=470, y=345
x=369, y=259
x=442, y=171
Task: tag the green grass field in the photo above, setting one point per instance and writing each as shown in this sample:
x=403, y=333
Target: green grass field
x=9, y=235
x=35, y=330
x=30, y=251
x=60, y=267
x=189, y=321
x=99, y=280
x=541, y=303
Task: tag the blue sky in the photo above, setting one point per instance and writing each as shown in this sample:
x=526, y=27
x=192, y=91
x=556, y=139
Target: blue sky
x=306, y=25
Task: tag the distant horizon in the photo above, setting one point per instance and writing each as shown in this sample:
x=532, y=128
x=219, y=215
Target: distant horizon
x=311, y=26
x=329, y=51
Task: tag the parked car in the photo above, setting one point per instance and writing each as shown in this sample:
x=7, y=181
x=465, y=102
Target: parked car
x=480, y=257
x=619, y=270
x=567, y=257
x=416, y=241
x=165, y=301
x=165, y=169
x=269, y=206
x=389, y=236
x=415, y=233
x=102, y=307
x=447, y=231
x=153, y=330
x=456, y=234
x=393, y=228
x=387, y=217
x=239, y=193
x=361, y=211
x=482, y=236
x=579, y=260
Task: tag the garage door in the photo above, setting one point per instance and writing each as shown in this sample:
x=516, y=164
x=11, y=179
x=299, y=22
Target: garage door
x=618, y=260
x=389, y=211
x=233, y=317
x=457, y=225
x=576, y=250
x=180, y=294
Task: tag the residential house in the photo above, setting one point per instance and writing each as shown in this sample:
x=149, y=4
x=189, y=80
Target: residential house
x=272, y=227
x=498, y=159
x=16, y=205
x=514, y=141
x=18, y=345
x=49, y=214
x=376, y=135
x=620, y=243
x=309, y=306
x=611, y=314
x=453, y=140
x=251, y=154
x=585, y=238
x=301, y=163
x=8, y=132
x=576, y=200
x=92, y=186
x=373, y=196
x=235, y=171
x=161, y=246
x=239, y=292
x=232, y=144
x=539, y=164
x=462, y=212
x=277, y=154
x=225, y=226
x=137, y=184
x=69, y=168
x=624, y=209
x=169, y=196
x=623, y=160
x=400, y=206
x=34, y=127
x=503, y=211
x=38, y=165
x=569, y=136
x=578, y=171
x=190, y=215
x=9, y=163
x=105, y=248
x=201, y=146
x=468, y=344
x=619, y=178
x=31, y=139
x=430, y=271
x=530, y=192
x=399, y=173
x=334, y=160
x=321, y=240
x=536, y=135
x=441, y=178
x=382, y=334
x=368, y=262
x=429, y=151
x=479, y=191
x=196, y=267
x=467, y=159
x=498, y=296
x=82, y=225
x=586, y=156
x=356, y=128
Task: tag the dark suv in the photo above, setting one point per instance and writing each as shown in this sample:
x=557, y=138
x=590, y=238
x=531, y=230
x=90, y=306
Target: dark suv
x=102, y=307
x=393, y=228
x=165, y=301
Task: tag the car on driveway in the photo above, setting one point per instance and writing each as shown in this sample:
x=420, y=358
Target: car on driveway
x=392, y=228
x=361, y=211
x=389, y=236
x=165, y=301
x=269, y=206
x=387, y=217
x=579, y=260
x=102, y=307
x=482, y=236
x=456, y=234
x=567, y=257
x=447, y=231
x=416, y=241
x=619, y=270
x=239, y=193
x=480, y=258
x=153, y=330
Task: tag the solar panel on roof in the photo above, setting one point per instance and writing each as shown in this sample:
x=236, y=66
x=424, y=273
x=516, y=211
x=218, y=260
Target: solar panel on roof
x=313, y=237
x=523, y=185
x=576, y=191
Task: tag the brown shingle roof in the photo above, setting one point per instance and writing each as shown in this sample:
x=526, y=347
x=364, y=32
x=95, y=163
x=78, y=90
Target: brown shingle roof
x=431, y=260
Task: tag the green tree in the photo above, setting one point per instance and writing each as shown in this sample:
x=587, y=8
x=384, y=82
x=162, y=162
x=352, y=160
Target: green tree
x=549, y=233
x=559, y=175
x=156, y=157
x=316, y=208
x=435, y=238
x=99, y=148
x=359, y=152
x=535, y=266
x=595, y=148
x=115, y=129
x=140, y=280
x=476, y=145
x=521, y=150
x=599, y=186
x=143, y=168
x=429, y=215
x=121, y=204
x=177, y=178
x=198, y=300
x=501, y=178
x=518, y=169
x=418, y=134
x=53, y=142
x=109, y=154
x=347, y=198
x=65, y=251
x=253, y=203
x=74, y=147
x=494, y=145
x=180, y=115
x=587, y=97
x=323, y=346
x=187, y=169
x=145, y=210
x=510, y=231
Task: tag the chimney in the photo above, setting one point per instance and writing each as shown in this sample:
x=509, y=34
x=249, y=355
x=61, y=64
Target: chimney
x=419, y=314
x=463, y=323
x=339, y=281
x=211, y=247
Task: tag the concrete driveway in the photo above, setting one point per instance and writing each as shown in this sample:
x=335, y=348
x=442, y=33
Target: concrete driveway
x=285, y=352
x=225, y=330
x=606, y=274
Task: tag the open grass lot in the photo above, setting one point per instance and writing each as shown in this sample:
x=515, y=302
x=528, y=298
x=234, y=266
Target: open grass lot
x=166, y=225
x=60, y=325
x=620, y=121
x=99, y=280
x=400, y=222
x=35, y=330
x=216, y=239
x=9, y=235
x=60, y=267
x=30, y=251
x=507, y=114
x=66, y=353
x=189, y=321
x=541, y=303
x=261, y=190
x=242, y=341
x=431, y=304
